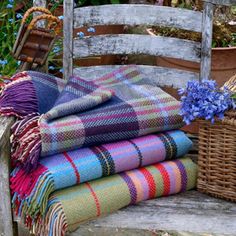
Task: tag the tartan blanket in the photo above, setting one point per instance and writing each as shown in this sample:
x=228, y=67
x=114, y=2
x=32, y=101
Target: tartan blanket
x=70, y=207
x=71, y=168
x=56, y=117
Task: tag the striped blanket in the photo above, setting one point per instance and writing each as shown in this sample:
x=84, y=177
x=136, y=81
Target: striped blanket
x=58, y=117
x=79, y=166
x=70, y=207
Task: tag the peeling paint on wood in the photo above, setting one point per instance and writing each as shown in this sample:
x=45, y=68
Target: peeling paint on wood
x=6, y=222
x=137, y=44
x=138, y=15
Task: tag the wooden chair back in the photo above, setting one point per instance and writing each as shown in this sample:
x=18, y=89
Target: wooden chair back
x=133, y=15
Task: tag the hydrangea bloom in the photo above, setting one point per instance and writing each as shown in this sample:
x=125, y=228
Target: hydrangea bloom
x=19, y=16
x=204, y=100
x=80, y=34
x=91, y=30
x=9, y=6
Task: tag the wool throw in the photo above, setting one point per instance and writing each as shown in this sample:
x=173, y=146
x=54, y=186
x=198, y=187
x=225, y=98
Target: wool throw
x=56, y=117
x=70, y=207
x=31, y=190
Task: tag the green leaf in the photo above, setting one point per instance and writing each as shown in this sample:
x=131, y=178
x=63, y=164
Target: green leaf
x=115, y=1
x=95, y=2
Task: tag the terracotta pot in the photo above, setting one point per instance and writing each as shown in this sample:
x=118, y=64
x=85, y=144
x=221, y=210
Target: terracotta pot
x=223, y=64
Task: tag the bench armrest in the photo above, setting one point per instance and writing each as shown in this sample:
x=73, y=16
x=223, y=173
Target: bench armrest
x=6, y=222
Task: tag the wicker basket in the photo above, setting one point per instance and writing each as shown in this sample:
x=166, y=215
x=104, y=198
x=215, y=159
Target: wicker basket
x=217, y=155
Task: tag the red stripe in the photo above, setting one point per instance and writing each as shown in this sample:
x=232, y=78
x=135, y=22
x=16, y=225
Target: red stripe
x=73, y=165
x=95, y=199
x=151, y=183
x=165, y=177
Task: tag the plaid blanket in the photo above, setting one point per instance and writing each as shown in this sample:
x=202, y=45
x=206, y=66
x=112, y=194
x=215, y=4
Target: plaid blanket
x=70, y=207
x=79, y=166
x=120, y=105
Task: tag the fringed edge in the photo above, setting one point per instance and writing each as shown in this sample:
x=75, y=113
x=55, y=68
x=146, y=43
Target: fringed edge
x=54, y=223
x=31, y=191
x=19, y=98
x=26, y=142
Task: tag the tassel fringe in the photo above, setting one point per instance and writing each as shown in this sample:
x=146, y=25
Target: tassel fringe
x=18, y=98
x=31, y=191
x=54, y=223
x=26, y=142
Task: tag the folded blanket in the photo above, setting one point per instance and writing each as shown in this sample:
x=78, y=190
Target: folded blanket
x=31, y=190
x=118, y=106
x=70, y=207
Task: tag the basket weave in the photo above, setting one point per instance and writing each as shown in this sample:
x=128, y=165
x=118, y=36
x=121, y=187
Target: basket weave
x=217, y=155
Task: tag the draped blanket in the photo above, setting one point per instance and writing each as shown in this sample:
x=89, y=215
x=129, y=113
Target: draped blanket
x=31, y=190
x=58, y=117
x=70, y=207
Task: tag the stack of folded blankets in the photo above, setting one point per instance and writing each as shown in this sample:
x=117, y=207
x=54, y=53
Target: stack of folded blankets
x=85, y=148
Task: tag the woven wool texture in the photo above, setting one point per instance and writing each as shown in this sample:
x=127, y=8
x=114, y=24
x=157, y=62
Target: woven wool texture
x=120, y=105
x=75, y=167
x=70, y=207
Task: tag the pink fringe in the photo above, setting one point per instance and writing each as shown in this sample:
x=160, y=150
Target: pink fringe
x=26, y=142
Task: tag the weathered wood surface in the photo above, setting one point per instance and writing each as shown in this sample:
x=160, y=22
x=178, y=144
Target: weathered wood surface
x=205, y=71
x=6, y=222
x=222, y=2
x=138, y=15
x=68, y=38
x=191, y=212
x=39, y=3
x=157, y=75
x=137, y=44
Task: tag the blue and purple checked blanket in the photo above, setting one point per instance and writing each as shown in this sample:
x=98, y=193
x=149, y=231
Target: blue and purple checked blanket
x=58, y=117
x=31, y=190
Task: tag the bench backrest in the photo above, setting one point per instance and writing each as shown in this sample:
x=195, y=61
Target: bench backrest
x=128, y=14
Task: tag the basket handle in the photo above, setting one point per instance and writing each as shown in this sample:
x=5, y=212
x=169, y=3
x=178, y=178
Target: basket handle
x=34, y=9
x=53, y=21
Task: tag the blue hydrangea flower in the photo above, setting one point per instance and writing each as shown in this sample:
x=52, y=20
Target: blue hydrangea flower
x=10, y=20
x=10, y=1
x=80, y=34
x=51, y=67
x=56, y=49
x=61, y=70
x=9, y=5
x=204, y=100
x=60, y=17
x=91, y=30
x=19, y=16
x=3, y=62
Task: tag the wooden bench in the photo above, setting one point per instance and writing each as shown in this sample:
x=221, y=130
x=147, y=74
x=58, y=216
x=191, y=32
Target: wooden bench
x=191, y=211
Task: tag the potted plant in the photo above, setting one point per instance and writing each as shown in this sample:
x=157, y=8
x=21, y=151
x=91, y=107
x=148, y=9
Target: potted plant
x=223, y=47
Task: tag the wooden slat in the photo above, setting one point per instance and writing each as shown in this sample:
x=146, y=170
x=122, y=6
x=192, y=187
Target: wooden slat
x=128, y=14
x=159, y=76
x=222, y=2
x=192, y=212
x=39, y=3
x=205, y=72
x=137, y=44
x=6, y=222
x=68, y=38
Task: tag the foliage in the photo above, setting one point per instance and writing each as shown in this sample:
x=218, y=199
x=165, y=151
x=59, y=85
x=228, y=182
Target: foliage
x=204, y=100
x=10, y=18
